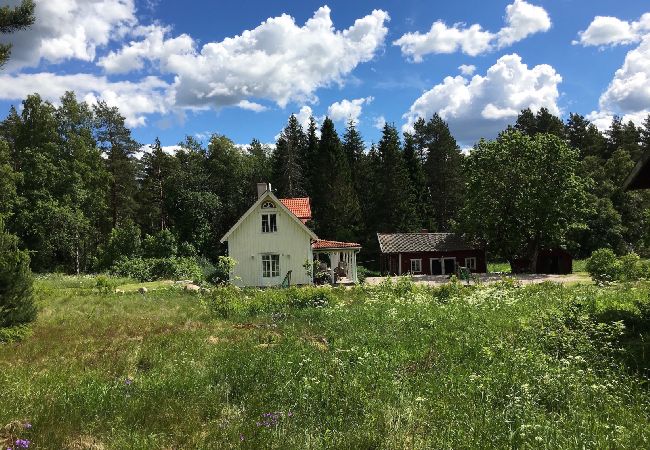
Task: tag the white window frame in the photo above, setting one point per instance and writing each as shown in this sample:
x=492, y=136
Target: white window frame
x=470, y=262
x=270, y=265
x=419, y=265
x=268, y=205
x=269, y=223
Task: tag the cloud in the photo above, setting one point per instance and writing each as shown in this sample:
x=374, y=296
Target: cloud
x=347, y=109
x=379, y=122
x=628, y=94
x=278, y=61
x=251, y=106
x=467, y=69
x=147, y=148
x=606, y=30
x=484, y=105
x=134, y=99
x=522, y=19
x=69, y=29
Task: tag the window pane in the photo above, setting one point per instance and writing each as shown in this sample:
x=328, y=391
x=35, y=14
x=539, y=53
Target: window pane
x=265, y=223
x=274, y=225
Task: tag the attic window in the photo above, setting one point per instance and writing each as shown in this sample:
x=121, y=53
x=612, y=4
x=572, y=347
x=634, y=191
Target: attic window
x=269, y=223
x=268, y=205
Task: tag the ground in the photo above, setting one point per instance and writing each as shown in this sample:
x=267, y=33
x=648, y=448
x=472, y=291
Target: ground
x=439, y=280
x=394, y=366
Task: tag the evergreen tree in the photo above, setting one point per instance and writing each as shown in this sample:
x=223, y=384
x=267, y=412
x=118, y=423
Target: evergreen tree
x=443, y=168
x=419, y=188
x=14, y=19
x=115, y=141
x=542, y=122
x=259, y=167
x=16, y=297
x=288, y=178
x=154, y=184
x=8, y=180
x=335, y=207
x=585, y=137
x=394, y=186
x=310, y=156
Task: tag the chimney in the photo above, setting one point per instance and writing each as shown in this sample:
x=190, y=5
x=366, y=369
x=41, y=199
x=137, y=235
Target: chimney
x=262, y=188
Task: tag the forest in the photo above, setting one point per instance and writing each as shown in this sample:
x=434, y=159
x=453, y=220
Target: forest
x=79, y=192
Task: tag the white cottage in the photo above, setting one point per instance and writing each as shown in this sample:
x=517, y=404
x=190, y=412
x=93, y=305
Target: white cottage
x=271, y=244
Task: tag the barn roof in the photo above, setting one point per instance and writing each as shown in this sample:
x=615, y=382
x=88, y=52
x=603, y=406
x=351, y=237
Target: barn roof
x=300, y=207
x=423, y=242
x=323, y=244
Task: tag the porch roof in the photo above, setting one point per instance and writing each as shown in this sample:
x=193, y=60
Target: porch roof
x=323, y=244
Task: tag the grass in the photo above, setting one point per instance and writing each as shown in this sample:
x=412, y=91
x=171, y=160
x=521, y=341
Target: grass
x=579, y=266
x=393, y=366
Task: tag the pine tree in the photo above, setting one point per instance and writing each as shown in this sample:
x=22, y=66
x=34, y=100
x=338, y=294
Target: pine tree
x=14, y=19
x=419, y=189
x=444, y=170
x=394, y=186
x=335, y=204
x=115, y=141
x=155, y=178
x=584, y=136
x=16, y=295
x=288, y=177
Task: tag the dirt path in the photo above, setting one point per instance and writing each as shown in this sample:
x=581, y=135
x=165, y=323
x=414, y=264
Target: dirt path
x=437, y=280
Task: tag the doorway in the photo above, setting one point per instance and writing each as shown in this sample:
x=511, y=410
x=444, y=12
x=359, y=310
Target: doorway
x=442, y=266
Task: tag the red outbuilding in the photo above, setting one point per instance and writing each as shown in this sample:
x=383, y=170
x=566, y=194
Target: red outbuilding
x=429, y=254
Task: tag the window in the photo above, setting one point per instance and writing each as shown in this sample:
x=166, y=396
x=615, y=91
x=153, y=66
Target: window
x=270, y=266
x=416, y=265
x=470, y=263
x=268, y=205
x=269, y=223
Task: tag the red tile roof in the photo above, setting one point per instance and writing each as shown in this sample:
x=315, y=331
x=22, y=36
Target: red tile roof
x=299, y=206
x=322, y=244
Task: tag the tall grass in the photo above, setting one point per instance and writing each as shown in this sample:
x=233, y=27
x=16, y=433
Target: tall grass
x=393, y=366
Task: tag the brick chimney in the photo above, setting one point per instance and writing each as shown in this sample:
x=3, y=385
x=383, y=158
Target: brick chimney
x=262, y=188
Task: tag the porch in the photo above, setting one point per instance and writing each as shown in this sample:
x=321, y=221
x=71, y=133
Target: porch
x=339, y=259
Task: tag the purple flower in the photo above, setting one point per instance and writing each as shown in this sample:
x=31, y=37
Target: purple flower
x=289, y=414
x=27, y=425
x=22, y=443
x=241, y=438
x=128, y=381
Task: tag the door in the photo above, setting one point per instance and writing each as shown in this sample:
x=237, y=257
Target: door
x=449, y=264
x=436, y=266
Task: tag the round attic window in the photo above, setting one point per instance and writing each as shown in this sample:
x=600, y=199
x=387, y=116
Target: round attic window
x=267, y=205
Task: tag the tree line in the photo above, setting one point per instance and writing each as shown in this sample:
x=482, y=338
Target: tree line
x=70, y=180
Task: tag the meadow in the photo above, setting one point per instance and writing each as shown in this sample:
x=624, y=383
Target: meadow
x=391, y=366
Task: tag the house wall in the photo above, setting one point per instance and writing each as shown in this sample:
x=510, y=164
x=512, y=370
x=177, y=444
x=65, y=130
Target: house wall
x=391, y=261
x=247, y=244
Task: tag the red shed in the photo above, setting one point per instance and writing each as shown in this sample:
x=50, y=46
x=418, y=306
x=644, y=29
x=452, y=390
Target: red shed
x=429, y=253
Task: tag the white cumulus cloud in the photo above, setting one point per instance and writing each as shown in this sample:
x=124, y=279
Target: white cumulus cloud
x=606, y=30
x=522, y=19
x=485, y=104
x=347, y=109
x=466, y=69
x=68, y=29
x=379, y=122
x=135, y=100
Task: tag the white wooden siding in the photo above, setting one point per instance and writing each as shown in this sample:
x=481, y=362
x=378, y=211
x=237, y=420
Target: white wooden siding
x=247, y=244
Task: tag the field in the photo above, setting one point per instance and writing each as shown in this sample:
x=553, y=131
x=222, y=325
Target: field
x=392, y=366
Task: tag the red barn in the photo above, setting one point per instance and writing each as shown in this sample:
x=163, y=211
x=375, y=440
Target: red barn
x=429, y=254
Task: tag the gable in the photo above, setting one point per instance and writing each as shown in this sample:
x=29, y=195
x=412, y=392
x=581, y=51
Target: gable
x=280, y=209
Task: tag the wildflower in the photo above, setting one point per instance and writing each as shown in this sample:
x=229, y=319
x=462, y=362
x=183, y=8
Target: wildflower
x=27, y=425
x=128, y=381
x=241, y=438
x=22, y=443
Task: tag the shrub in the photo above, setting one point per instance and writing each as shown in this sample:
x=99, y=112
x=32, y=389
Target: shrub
x=603, y=266
x=16, y=283
x=150, y=269
x=631, y=268
x=160, y=245
x=124, y=242
x=104, y=283
x=221, y=273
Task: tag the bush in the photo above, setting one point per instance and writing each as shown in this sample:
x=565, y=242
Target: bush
x=603, y=266
x=16, y=283
x=221, y=272
x=124, y=242
x=150, y=269
x=104, y=283
x=631, y=268
x=160, y=245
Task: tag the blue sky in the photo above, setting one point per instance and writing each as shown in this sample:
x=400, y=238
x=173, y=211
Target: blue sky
x=199, y=67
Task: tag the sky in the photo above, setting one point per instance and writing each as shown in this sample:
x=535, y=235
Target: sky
x=240, y=68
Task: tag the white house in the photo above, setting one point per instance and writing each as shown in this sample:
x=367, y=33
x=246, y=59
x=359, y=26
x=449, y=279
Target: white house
x=271, y=244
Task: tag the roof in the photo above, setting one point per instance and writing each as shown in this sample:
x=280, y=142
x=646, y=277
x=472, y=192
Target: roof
x=423, y=242
x=322, y=244
x=299, y=206
x=639, y=178
x=269, y=195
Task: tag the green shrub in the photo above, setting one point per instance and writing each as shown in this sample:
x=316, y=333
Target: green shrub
x=160, y=245
x=631, y=268
x=124, y=242
x=104, y=283
x=221, y=272
x=603, y=266
x=150, y=269
x=16, y=283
